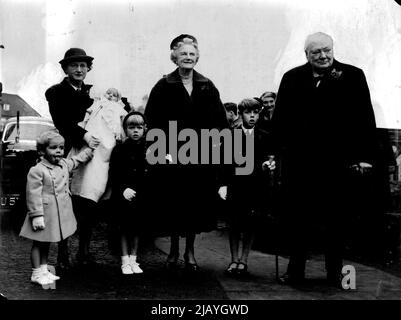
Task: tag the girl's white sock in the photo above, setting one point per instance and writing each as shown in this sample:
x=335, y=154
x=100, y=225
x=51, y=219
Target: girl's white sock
x=36, y=271
x=44, y=268
x=125, y=259
x=132, y=259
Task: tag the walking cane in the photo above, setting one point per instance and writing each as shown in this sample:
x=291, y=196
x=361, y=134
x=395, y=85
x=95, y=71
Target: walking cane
x=271, y=196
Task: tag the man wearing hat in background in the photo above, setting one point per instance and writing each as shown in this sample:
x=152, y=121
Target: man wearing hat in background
x=68, y=102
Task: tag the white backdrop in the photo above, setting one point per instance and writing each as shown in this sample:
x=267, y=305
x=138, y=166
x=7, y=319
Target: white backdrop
x=245, y=45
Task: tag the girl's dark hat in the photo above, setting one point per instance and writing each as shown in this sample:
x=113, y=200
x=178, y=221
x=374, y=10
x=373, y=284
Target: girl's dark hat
x=75, y=54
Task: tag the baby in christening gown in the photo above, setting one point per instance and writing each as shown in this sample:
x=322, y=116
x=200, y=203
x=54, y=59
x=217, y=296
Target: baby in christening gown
x=104, y=121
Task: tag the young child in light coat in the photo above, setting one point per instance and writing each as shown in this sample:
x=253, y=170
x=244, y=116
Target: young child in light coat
x=50, y=217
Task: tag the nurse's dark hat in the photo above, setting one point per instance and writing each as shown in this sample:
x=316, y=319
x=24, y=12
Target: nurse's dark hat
x=75, y=54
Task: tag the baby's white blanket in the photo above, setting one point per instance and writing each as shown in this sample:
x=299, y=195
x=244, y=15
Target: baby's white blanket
x=104, y=121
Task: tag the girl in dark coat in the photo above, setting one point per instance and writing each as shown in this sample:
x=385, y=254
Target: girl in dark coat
x=184, y=191
x=127, y=176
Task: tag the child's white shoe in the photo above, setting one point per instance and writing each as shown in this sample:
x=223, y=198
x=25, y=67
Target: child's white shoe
x=41, y=278
x=126, y=265
x=135, y=268
x=126, y=268
x=50, y=275
x=134, y=265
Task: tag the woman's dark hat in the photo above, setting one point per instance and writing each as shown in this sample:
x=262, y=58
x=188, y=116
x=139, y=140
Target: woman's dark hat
x=180, y=38
x=75, y=54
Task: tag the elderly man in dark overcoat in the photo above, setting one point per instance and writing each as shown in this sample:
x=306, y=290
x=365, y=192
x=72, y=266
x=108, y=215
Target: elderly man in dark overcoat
x=324, y=125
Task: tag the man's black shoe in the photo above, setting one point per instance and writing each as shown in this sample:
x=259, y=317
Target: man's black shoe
x=288, y=279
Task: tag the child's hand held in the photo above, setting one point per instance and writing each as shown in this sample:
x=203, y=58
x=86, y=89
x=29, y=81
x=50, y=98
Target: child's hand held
x=38, y=223
x=91, y=140
x=89, y=152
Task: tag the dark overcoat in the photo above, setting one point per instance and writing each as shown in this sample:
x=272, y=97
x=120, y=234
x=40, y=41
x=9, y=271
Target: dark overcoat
x=248, y=196
x=128, y=169
x=67, y=107
x=184, y=193
x=322, y=126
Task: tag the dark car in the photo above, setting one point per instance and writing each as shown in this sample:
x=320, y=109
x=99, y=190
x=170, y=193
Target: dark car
x=17, y=155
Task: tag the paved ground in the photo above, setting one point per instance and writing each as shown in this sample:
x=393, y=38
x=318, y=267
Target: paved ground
x=212, y=252
x=213, y=255
x=103, y=282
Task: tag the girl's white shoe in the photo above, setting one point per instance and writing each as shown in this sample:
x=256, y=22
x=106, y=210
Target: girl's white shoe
x=41, y=278
x=135, y=268
x=125, y=265
x=134, y=265
x=126, y=268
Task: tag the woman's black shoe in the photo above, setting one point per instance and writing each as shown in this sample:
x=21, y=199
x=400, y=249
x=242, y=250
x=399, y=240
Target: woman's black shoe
x=242, y=269
x=189, y=266
x=232, y=269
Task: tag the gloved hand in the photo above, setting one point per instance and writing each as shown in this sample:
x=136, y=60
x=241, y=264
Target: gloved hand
x=129, y=194
x=38, y=223
x=223, y=192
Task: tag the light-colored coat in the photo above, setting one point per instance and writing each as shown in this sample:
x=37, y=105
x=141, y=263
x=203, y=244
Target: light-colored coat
x=48, y=195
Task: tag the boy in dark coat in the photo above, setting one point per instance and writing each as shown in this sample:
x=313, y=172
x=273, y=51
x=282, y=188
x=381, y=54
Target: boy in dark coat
x=246, y=194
